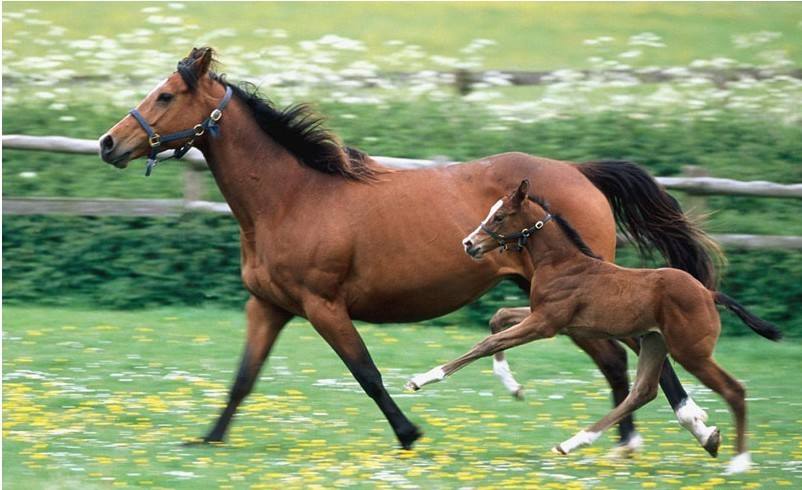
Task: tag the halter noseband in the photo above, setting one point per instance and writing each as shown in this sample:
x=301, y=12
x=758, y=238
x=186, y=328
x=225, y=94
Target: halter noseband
x=520, y=237
x=155, y=140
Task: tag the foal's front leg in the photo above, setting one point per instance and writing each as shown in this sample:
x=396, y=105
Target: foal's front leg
x=533, y=327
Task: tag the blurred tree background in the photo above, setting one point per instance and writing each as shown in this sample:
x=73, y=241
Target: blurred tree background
x=384, y=74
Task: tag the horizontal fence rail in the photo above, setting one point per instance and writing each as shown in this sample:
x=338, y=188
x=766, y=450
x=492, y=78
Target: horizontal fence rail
x=695, y=185
x=175, y=207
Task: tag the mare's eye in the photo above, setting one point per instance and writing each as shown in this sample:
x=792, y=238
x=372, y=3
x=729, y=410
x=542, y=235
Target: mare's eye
x=164, y=97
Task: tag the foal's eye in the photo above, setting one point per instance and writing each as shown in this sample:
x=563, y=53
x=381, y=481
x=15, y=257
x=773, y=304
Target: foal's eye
x=164, y=97
x=498, y=218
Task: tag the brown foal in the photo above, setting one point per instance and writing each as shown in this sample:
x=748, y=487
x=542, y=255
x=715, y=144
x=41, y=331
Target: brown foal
x=329, y=235
x=578, y=294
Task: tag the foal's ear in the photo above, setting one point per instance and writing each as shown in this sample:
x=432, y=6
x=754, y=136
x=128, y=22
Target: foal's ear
x=521, y=193
x=202, y=60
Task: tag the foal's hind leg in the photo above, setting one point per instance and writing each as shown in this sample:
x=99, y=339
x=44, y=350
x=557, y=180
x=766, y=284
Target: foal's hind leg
x=611, y=359
x=733, y=392
x=503, y=318
x=652, y=354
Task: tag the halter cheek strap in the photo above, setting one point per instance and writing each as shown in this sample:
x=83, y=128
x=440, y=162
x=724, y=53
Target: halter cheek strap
x=155, y=140
x=520, y=237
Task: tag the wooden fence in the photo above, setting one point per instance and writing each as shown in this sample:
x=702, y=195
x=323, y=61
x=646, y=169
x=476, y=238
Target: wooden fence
x=193, y=203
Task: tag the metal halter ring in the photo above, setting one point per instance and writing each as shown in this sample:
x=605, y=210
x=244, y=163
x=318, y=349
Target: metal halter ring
x=199, y=129
x=216, y=115
x=154, y=140
x=539, y=225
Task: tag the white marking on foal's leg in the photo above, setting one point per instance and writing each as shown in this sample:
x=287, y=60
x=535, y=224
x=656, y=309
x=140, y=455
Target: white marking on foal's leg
x=501, y=369
x=629, y=447
x=419, y=380
x=582, y=438
x=739, y=464
x=693, y=418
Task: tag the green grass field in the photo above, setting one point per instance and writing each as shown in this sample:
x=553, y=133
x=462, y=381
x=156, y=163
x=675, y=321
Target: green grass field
x=100, y=399
x=528, y=35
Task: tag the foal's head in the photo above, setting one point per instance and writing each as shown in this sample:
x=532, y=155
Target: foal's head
x=509, y=218
x=178, y=103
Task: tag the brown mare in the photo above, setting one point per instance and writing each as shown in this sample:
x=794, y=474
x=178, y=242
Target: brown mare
x=579, y=294
x=329, y=235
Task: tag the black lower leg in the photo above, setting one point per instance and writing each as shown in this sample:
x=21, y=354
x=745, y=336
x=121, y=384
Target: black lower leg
x=370, y=380
x=669, y=382
x=243, y=384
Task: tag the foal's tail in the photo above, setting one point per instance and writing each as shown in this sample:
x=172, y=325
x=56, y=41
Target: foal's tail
x=761, y=327
x=650, y=217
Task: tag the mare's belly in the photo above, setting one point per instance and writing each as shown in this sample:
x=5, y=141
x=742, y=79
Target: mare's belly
x=414, y=302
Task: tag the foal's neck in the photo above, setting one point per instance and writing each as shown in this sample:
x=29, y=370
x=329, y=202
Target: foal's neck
x=549, y=246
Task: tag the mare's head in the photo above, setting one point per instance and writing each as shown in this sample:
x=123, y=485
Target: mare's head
x=179, y=103
x=509, y=216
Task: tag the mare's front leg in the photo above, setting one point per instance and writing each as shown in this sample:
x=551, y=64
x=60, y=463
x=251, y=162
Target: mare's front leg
x=333, y=323
x=265, y=321
x=533, y=327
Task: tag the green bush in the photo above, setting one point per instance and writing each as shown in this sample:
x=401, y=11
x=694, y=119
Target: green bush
x=194, y=259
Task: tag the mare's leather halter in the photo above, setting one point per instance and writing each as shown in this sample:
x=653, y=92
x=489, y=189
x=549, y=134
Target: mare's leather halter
x=155, y=140
x=520, y=237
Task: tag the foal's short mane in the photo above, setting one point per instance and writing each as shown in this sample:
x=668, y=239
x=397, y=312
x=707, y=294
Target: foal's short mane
x=569, y=231
x=297, y=128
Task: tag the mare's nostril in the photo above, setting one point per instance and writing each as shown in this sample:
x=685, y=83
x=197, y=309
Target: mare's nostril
x=468, y=244
x=107, y=144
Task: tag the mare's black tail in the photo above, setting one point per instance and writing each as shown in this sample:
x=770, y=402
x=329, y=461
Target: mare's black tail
x=651, y=217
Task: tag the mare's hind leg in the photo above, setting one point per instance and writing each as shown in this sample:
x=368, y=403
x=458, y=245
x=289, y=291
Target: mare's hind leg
x=733, y=393
x=502, y=319
x=265, y=321
x=652, y=354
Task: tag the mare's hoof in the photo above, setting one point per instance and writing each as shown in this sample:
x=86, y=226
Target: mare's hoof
x=411, y=386
x=202, y=441
x=518, y=394
x=558, y=449
x=713, y=442
x=407, y=439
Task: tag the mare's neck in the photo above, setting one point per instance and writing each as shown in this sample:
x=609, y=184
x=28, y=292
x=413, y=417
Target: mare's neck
x=257, y=176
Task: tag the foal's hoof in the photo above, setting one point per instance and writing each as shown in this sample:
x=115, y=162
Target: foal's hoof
x=713, y=442
x=558, y=449
x=411, y=386
x=408, y=438
x=518, y=394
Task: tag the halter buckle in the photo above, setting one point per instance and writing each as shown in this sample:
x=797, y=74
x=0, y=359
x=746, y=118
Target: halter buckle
x=155, y=140
x=199, y=129
x=539, y=225
x=216, y=115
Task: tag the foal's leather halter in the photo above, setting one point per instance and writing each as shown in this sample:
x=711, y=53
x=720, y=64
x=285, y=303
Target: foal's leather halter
x=155, y=140
x=520, y=237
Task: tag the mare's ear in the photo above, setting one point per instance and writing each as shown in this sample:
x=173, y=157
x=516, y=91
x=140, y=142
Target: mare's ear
x=202, y=60
x=520, y=194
